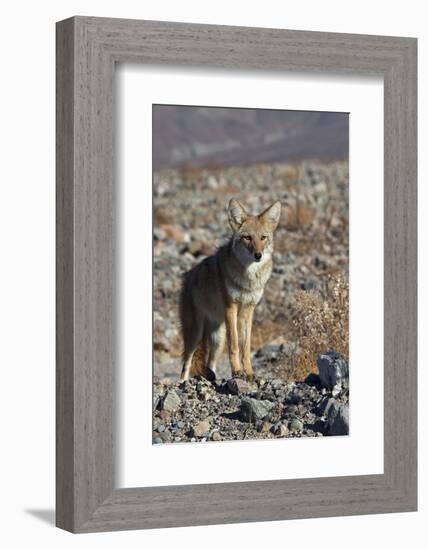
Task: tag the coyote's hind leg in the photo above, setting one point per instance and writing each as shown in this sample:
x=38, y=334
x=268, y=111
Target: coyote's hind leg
x=215, y=339
x=192, y=335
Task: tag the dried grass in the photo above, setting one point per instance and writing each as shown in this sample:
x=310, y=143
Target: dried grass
x=321, y=320
x=266, y=331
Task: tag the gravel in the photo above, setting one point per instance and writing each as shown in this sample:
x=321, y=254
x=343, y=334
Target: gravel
x=268, y=408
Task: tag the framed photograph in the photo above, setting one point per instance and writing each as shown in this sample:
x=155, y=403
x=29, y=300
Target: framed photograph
x=236, y=274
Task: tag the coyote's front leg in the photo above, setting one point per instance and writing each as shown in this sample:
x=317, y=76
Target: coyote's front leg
x=231, y=318
x=245, y=323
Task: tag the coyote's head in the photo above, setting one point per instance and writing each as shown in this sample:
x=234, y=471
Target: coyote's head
x=253, y=235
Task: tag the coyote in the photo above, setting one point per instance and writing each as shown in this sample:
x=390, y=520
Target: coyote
x=218, y=296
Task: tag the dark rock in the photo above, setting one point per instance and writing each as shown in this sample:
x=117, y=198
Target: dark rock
x=338, y=420
x=254, y=409
x=324, y=406
x=333, y=369
x=312, y=379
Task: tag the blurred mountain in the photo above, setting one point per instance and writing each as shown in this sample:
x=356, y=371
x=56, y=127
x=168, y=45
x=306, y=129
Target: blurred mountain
x=197, y=136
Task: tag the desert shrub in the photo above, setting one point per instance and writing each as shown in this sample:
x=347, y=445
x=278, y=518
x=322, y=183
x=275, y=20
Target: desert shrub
x=321, y=320
x=266, y=331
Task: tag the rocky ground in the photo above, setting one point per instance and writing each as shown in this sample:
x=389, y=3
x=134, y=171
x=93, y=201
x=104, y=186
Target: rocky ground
x=268, y=408
x=190, y=221
x=311, y=243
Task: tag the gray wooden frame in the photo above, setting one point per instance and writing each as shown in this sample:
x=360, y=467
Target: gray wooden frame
x=87, y=50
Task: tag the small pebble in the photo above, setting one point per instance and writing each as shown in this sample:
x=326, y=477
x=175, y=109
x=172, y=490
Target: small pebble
x=296, y=425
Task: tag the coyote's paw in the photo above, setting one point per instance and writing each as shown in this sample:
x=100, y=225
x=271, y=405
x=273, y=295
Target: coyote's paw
x=248, y=372
x=210, y=375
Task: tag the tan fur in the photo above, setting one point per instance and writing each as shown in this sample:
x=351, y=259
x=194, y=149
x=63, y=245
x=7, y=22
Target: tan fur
x=218, y=295
x=198, y=367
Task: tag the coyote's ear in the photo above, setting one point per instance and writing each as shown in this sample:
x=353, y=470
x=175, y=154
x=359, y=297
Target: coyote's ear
x=237, y=214
x=270, y=217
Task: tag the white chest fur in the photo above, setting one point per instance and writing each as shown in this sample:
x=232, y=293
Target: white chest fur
x=247, y=286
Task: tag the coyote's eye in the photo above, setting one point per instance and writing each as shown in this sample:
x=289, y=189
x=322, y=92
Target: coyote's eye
x=247, y=237
x=263, y=237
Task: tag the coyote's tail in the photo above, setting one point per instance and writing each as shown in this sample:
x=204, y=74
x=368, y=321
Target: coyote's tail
x=189, y=329
x=199, y=366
